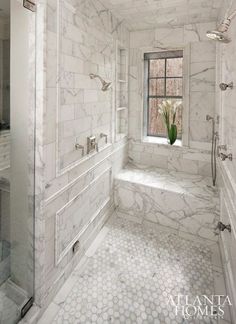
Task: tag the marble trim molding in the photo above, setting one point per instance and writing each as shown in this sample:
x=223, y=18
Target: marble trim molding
x=60, y=255
x=109, y=154
x=60, y=171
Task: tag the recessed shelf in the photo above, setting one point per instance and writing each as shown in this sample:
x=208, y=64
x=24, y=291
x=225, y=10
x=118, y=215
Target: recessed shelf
x=121, y=92
x=121, y=108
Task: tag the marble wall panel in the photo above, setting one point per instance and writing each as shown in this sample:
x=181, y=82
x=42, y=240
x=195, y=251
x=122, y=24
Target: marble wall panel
x=193, y=161
x=225, y=108
x=201, y=78
x=74, y=217
x=75, y=38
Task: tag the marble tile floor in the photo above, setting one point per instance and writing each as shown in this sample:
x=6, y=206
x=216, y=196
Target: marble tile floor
x=129, y=273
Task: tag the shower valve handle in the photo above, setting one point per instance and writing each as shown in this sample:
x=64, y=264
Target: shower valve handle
x=226, y=156
x=221, y=147
x=222, y=227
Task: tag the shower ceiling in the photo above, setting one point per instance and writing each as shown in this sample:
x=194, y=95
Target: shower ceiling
x=144, y=14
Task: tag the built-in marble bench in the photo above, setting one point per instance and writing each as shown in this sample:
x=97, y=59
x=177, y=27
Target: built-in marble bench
x=182, y=201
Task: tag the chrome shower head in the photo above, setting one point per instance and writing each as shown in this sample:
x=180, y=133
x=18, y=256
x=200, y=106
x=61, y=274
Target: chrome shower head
x=221, y=33
x=218, y=36
x=225, y=86
x=105, y=85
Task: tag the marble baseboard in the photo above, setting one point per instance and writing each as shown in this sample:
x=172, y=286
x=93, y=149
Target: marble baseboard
x=187, y=203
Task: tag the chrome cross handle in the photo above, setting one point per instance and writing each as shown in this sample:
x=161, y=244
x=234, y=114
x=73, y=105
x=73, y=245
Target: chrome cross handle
x=222, y=227
x=226, y=156
x=221, y=147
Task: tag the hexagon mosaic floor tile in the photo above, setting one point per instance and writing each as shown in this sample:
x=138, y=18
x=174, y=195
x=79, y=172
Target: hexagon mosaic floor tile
x=132, y=274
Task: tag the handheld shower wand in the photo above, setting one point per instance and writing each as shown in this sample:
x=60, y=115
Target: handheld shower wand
x=213, y=148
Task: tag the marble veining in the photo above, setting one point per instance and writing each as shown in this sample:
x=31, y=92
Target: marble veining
x=74, y=38
x=198, y=96
x=179, y=182
x=129, y=274
x=225, y=109
x=143, y=14
x=175, y=199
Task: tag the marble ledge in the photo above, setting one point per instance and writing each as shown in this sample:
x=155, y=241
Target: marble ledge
x=173, y=181
x=149, y=146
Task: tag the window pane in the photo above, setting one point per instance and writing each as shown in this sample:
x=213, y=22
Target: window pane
x=174, y=87
x=156, y=126
x=157, y=68
x=174, y=67
x=156, y=87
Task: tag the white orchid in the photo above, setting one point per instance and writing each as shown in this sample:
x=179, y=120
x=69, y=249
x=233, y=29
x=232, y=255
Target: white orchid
x=168, y=108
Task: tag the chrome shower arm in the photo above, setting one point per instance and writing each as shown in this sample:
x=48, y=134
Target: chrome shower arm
x=232, y=15
x=226, y=23
x=93, y=76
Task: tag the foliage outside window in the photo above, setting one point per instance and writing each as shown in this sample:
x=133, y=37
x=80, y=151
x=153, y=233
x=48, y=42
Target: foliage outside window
x=164, y=77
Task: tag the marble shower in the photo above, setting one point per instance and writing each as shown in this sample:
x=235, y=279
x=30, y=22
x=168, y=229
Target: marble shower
x=113, y=222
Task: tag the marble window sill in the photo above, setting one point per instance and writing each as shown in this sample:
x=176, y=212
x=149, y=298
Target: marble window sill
x=161, y=140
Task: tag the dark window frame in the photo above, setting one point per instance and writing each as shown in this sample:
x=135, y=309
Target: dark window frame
x=165, y=55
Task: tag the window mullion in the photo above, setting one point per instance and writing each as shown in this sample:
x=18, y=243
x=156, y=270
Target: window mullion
x=148, y=94
x=151, y=127
x=165, y=77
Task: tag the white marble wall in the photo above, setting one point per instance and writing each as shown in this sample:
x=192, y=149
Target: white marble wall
x=74, y=194
x=225, y=108
x=193, y=161
x=199, y=84
x=226, y=100
x=77, y=108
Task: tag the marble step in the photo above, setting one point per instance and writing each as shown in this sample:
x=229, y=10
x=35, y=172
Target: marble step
x=178, y=200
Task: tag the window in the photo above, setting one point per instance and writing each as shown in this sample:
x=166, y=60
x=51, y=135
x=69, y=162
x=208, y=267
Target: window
x=164, y=81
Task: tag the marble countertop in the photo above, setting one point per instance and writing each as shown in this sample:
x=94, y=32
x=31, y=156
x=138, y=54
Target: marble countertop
x=179, y=182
